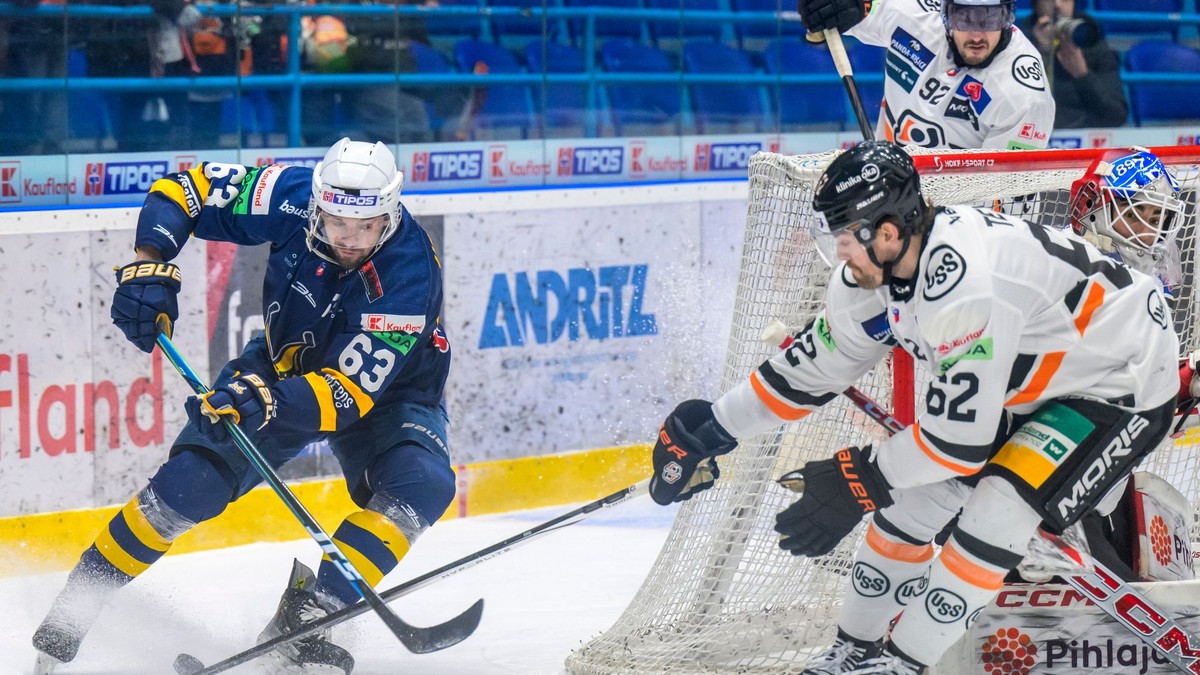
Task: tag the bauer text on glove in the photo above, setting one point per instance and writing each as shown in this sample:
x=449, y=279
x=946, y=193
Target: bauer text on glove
x=145, y=300
x=685, y=452
x=837, y=493
x=245, y=400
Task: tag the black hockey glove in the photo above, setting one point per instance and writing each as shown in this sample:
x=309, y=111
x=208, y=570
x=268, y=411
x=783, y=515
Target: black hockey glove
x=245, y=400
x=837, y=493
x=819, y=15
x=685, y=453
x=145, y=297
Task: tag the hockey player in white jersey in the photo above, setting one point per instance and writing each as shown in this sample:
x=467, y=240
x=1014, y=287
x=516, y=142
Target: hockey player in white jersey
x=1054, y=374
x=958, y=73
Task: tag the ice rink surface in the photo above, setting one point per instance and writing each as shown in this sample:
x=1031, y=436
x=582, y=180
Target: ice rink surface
x=543, y=599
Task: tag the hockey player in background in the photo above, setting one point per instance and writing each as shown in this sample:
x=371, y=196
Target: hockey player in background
x=1127, y=204
x=1043, y=352
x=958, y=73
x=353, y=353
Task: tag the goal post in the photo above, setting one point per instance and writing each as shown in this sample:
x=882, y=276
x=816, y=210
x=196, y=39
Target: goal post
x=721, y=596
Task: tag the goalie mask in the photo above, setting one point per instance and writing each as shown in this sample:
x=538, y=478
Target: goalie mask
x=1127, y=203
x=355, y=203
x=869, y=183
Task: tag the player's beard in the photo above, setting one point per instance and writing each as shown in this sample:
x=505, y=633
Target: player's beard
x=869, y=277
x=974, y=52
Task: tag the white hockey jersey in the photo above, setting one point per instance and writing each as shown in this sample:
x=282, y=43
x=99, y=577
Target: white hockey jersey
x=1006, y=315
x=931, y=103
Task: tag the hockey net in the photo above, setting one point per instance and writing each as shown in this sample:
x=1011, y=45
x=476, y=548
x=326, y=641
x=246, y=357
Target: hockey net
x=722, y=597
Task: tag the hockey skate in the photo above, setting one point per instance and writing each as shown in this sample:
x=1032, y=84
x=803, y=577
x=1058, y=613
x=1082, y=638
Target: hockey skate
x=843, y=656
x=302, y=604
x=72, y=614
x=888, y=662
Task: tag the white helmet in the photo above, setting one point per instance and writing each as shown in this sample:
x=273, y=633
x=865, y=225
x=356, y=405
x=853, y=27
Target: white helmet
x=1128, y=203
x=354, y=180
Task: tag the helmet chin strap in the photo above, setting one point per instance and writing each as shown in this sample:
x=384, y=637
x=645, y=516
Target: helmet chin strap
x=887, y=266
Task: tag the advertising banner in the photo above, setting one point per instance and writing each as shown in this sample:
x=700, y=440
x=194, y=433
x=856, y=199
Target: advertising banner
x=85, y=417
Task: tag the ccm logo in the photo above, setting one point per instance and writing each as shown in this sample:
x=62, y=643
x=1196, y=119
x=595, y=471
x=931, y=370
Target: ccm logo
x=856, y=487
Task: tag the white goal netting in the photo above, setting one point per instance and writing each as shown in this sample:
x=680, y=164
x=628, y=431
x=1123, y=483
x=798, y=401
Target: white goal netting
x=722, y=597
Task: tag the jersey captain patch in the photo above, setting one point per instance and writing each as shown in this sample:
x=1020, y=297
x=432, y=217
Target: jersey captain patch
x=946, y=269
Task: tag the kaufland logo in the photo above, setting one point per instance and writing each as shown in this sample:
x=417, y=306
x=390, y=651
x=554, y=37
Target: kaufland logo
x=724, y=156
x=121, y=178
x=497, y=156
x=1008, y=651
x=310, y=162
x=642, y=163
x=10, y=182
x=593, y=161
x=428, y=167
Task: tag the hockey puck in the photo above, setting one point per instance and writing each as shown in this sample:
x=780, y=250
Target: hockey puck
x=186, y=664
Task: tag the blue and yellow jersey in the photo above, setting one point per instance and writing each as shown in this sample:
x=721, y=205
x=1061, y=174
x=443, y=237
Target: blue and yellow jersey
x=341, y=341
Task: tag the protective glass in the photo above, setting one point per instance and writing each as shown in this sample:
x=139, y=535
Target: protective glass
x=979, y=18
x=845, y=243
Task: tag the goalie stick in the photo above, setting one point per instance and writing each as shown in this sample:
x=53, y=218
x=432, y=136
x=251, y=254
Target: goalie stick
x=1102, y=586
x=416, y=639
x=186, y=664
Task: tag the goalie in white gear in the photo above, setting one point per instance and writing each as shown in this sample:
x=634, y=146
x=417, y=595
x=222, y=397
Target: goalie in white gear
x=1054, y=374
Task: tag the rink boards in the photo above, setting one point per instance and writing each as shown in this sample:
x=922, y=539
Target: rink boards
x=577, y=318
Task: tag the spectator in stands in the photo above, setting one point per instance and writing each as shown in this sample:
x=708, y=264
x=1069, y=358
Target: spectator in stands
x=1085, y=76
x=34, y=122
x=374, y=44
x=154, y=47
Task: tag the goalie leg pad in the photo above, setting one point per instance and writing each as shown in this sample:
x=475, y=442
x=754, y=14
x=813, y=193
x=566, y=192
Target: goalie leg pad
x=1069, y=454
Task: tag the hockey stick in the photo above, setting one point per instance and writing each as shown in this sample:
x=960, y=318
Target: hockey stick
x=1101, y=585
x=841, y=61
x=189, y=665
x=416, y=639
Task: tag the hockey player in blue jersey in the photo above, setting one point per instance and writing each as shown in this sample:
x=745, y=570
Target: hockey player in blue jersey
x=353, y=352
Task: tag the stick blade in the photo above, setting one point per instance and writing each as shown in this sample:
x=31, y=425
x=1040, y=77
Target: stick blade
x=448, y=634
x=186, y=664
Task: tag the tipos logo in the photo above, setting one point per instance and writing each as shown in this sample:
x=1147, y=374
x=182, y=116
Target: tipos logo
x=1160, y=540
x=1008, y=651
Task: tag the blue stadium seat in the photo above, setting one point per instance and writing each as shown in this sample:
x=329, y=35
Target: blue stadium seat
x=1141, y=30
x=685, y=27
x=504, y=106
x=752, y=30
x=453, y=27
x=565, y=104
x=1162, y=102
x=821, y=105
x=605, y=28
x=89, y=120
x=867, y=62
x=431, y=62
x=722, y=107
x=639, y=104
x=504, y=27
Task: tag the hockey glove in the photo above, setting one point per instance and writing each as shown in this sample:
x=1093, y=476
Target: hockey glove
x=837, y=493
x=245, y=400
x=146, y=293
x=685, y=453
x=819, y=15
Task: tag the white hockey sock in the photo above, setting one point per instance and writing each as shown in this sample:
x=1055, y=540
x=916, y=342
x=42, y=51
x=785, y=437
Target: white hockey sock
x=887, y=574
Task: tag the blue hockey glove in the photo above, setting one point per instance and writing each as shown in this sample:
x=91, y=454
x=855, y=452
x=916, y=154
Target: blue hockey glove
x=685, y=453
x=245, y=400
x=838, y=492
x=145, y=296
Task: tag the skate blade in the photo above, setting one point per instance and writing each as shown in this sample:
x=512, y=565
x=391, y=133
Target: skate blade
x=45, y=664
